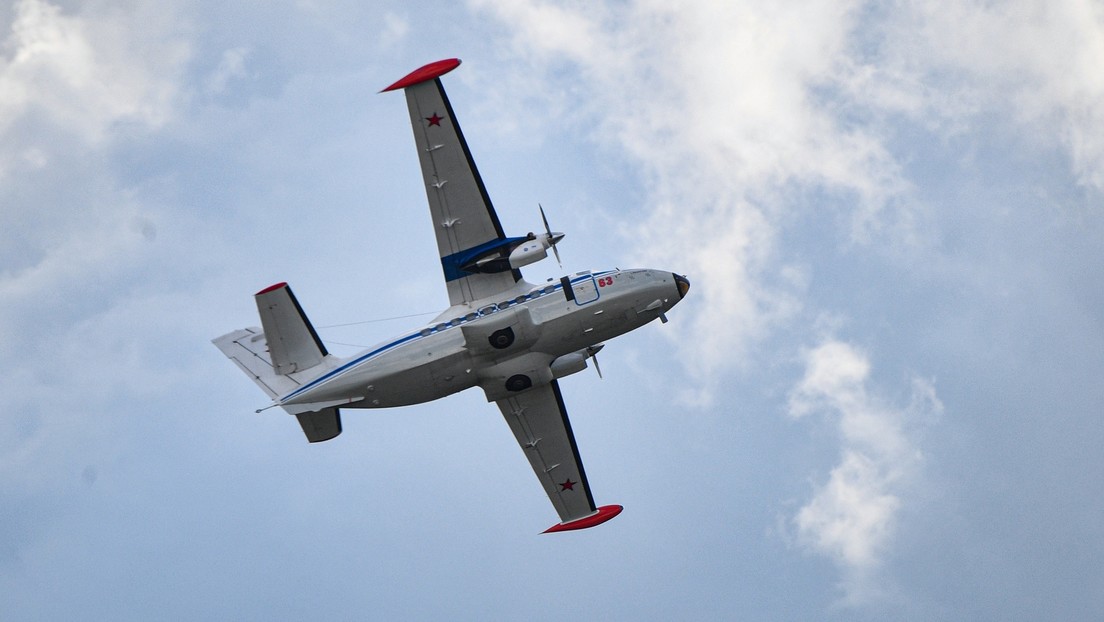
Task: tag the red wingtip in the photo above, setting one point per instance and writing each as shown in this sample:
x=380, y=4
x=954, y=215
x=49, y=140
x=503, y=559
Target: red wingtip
x=429, y=72
x=271, y=288
x=603, y=514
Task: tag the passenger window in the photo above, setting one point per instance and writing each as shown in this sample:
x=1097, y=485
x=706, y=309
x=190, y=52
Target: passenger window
x=426, y=332
x=471, y=316
x=456, y=322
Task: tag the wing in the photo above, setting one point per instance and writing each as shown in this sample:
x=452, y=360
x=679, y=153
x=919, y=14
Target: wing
x=539, y=421
x=465, y=222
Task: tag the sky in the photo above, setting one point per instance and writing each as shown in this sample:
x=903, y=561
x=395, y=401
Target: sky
x=881, y=400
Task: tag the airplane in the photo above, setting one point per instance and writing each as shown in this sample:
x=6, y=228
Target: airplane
x=511, y=338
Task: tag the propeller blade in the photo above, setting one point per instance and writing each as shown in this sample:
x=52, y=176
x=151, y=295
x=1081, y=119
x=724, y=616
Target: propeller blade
x=592, y=351
x=553, y=238
x=547, y=229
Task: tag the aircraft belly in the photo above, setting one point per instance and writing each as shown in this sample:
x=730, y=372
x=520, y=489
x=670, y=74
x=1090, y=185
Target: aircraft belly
x=408, y=375
x=585, y=326
x=438, y=376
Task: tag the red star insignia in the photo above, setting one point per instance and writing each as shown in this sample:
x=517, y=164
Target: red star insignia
x=568, y=485
x=434, y=120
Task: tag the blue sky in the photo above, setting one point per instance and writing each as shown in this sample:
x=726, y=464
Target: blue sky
x=881, y=399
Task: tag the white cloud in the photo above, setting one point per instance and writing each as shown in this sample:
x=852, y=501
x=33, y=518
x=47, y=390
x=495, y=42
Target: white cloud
x=395, y=28
x=69, y=85
x=87, y=72
x=1032, y=65
x=73, y=86
x=851, y=518
x=734, y=114
x=715, y=104
x=231, y=67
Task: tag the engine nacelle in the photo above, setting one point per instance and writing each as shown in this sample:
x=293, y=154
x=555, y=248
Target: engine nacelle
x=570, y=364
x=506, y=378
x=529, y=251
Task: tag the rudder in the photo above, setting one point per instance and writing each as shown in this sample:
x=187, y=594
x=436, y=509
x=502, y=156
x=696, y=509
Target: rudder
x=292, y=343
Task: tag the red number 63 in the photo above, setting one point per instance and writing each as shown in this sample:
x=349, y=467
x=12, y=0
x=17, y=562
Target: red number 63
x=604, y=281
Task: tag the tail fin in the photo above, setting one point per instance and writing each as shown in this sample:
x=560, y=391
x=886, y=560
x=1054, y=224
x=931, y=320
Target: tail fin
x=292, y=342
x=273, y=357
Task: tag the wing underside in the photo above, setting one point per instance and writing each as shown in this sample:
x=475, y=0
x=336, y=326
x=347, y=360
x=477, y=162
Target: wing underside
x=464, y=220
x=538, y=419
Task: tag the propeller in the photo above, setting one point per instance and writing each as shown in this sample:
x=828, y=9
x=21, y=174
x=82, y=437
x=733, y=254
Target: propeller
x=553, y=238
x=592, y=352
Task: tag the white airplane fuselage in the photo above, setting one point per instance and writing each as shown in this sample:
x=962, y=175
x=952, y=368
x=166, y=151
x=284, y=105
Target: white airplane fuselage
x=531, y=334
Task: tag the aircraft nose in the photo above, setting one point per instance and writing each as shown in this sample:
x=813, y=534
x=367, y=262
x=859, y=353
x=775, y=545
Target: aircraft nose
x=682, y=283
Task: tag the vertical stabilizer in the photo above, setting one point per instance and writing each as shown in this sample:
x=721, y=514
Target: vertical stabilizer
x=292, y=342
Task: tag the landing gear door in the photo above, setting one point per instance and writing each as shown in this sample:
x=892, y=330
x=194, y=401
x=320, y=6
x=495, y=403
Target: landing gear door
x=585, y=290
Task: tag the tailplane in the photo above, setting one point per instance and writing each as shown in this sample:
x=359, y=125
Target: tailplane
x=248, y=348
x=275, y=356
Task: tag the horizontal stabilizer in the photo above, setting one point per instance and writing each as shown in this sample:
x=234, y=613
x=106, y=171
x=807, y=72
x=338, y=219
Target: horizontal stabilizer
x=292, y=343
x=313, y=407
x=322, y=425
x=247, y=348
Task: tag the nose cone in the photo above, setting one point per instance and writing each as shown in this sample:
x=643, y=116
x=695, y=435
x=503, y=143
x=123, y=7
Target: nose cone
x=683, y=285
